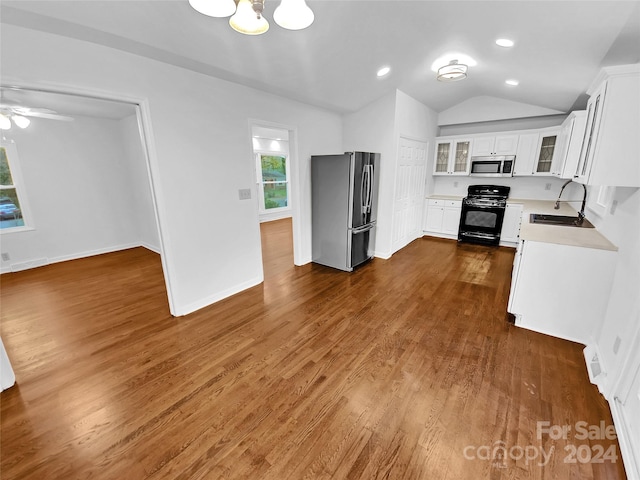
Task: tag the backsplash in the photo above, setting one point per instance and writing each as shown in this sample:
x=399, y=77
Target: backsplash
x=521, y=187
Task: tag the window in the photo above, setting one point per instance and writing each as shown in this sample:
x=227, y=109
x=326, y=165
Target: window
x=11, y=194
x=273, y=181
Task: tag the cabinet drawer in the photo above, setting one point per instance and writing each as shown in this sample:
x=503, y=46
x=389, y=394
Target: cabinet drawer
x=453, y=203
x=436, y=202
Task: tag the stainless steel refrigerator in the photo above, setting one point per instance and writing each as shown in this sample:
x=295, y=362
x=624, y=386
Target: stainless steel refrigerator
x=344, y=199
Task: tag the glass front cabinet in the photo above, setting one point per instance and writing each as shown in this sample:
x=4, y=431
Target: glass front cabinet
x=452, y=156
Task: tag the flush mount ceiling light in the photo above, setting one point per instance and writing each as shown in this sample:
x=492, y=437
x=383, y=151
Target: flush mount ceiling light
x=452, y=72
x=512, y=82
x=247, y=16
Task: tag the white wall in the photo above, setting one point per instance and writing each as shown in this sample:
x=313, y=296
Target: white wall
x=521, y=187
x=377, y=128
x=200, y=153
x=485, y=108
x=372, y=129
x=622, y=227
x=77, y=179
x=142, y=201
x=502, y=125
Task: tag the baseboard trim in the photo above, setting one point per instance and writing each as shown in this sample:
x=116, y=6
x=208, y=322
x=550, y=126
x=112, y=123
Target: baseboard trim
x=630, y=460
x=182, y=310
x=41, y=262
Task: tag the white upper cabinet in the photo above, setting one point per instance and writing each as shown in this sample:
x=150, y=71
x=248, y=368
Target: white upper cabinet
x=611, y=144
x=535, y=152
x=545, y=151
x=495, y=145
x=526, y=154
x=452, y=156
x=565, y=160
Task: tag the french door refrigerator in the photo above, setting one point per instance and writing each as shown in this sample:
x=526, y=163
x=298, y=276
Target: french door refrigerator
x=344, y=194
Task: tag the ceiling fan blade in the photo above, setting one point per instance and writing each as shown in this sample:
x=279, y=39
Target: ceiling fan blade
x=49, y=116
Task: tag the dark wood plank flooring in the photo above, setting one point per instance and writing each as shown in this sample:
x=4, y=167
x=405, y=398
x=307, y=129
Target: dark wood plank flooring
x=399, y=370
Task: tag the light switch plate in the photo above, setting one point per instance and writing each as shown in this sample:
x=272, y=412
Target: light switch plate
x=244, y=194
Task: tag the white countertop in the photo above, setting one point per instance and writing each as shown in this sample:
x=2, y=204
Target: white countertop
x=574, y=236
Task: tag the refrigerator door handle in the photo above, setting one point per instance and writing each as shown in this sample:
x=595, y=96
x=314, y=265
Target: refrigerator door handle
x=364, y=228
x=363, y=183
x=369, y=187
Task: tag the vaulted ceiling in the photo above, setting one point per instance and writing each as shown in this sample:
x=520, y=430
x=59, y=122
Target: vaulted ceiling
x=559, y=46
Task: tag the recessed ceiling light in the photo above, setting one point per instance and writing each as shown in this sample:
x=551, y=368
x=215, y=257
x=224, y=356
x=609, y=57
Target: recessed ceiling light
x=504, y=42
x=383, y=71
x=512, y=82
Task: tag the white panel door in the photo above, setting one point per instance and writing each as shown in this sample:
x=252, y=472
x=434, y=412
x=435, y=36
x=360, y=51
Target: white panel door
x=409, y=192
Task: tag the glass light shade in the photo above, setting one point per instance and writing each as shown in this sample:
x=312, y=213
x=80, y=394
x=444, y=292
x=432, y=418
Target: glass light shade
x=453, y=72
x=20, y=121
x=293, y=14
x=214, y=8
x=247, y=21
x=5, y=123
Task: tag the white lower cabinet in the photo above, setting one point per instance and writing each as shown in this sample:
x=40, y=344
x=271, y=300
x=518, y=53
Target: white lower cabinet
x=442, y=217
x=560, y=290
x=510, y=232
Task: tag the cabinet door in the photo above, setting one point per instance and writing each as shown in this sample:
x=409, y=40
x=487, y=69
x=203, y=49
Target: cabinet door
x=511, y=223
x=506, y=145
x=562, y=147
x=435, y=215
x=526, y=154
x=461, y=155
x=443, y=153
x=545, y=152
x=593, y=118
x=483, y=145
x=451, y=220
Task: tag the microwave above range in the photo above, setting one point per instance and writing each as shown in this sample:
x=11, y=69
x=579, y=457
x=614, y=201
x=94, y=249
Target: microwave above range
x=493, y=166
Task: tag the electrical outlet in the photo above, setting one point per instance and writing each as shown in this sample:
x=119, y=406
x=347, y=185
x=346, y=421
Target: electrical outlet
x=547, y=186
x=614, y=205
x=455, y=184
x=5, y=257
x=244, y=194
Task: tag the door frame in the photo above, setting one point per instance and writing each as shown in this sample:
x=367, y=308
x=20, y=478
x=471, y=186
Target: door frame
x=145, y=132
x=294, y=182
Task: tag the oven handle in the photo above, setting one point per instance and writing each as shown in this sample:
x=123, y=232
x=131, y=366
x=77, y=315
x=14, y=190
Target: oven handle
x=483, y=207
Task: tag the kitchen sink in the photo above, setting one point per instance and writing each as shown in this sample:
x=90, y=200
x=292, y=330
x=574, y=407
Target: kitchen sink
x=562, y=220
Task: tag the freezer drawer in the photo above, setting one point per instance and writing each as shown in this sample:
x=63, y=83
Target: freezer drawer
x=361, y=239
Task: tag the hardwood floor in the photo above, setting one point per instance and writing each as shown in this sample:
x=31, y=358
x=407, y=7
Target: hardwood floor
x=405, y=368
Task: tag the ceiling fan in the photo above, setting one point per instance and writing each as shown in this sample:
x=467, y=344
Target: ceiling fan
x=18, y=114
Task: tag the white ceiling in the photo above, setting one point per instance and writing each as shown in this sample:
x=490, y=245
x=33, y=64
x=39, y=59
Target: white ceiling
x=560, y=45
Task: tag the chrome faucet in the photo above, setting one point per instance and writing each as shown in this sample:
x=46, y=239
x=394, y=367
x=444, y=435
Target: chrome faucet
x=584, y=201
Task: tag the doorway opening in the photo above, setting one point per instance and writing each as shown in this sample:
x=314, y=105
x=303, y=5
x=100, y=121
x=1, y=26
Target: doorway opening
x=273, y=166
x=85, y=164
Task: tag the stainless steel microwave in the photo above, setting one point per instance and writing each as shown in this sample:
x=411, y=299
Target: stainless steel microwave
x=493, y=166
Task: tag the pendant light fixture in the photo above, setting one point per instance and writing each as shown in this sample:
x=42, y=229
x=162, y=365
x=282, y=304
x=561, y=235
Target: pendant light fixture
x=214, y=8
x=293, y=14
x=452, y=72
x=247, y=16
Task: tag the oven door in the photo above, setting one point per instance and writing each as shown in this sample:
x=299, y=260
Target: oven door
x=480, y=223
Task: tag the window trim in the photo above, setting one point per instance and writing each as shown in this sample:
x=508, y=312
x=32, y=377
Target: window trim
x=19, y=185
